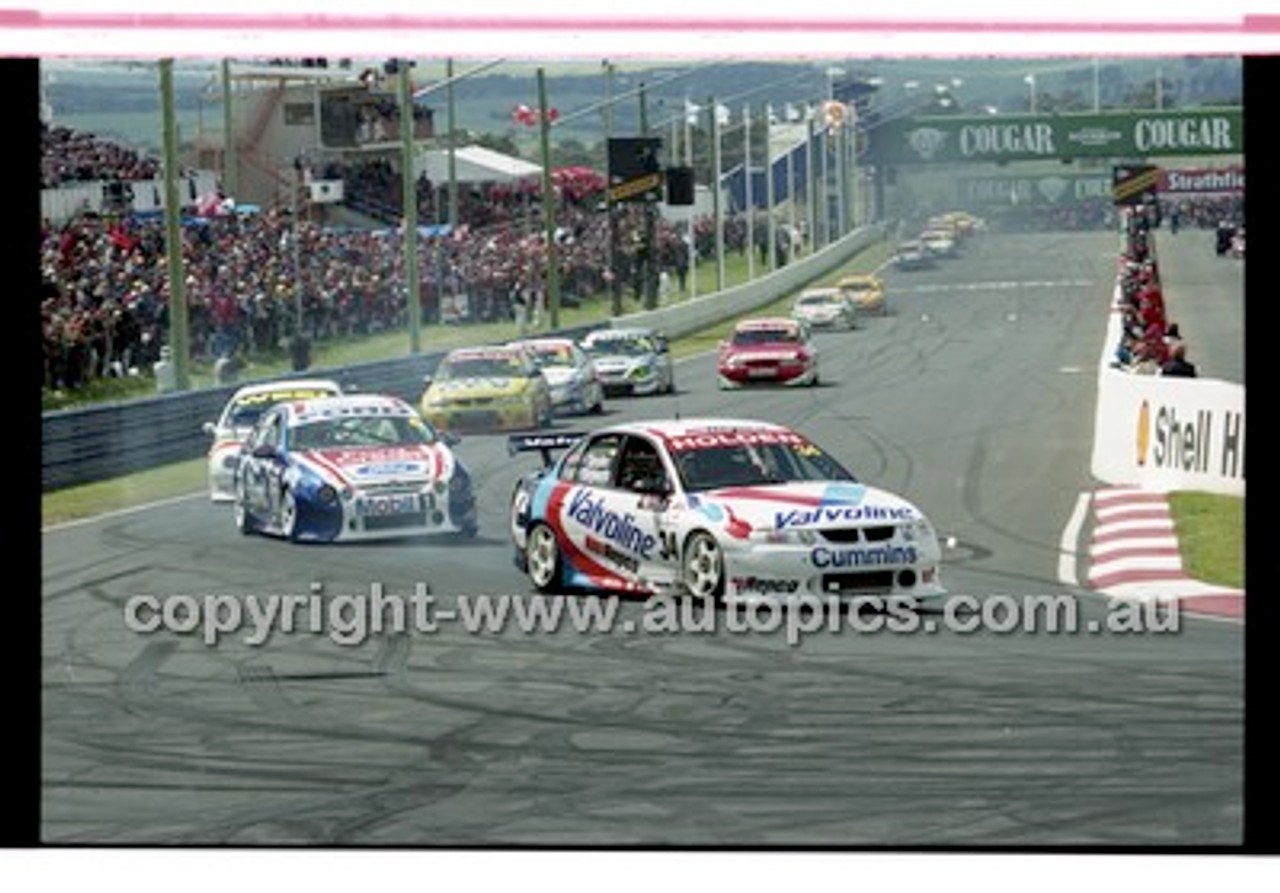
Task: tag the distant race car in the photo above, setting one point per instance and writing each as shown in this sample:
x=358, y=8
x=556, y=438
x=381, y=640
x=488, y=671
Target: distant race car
x=912, y=255
x=767, y=350
x=496, y=388
x=940, y=242
x=730, y=509
x=238, y=417
x=827, y=307
x=866, y=291
x=634, y=360
x=570, y=373
x=349, y=468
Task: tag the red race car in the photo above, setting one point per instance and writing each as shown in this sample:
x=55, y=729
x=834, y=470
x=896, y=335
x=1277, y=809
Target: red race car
x=768, y=351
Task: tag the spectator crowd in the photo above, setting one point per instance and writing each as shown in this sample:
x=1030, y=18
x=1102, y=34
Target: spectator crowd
x=68, y=156
x=253, y=281
x=1150, y=343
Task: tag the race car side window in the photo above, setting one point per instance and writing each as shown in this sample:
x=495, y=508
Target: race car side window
x=640, y=467
x=594, y=464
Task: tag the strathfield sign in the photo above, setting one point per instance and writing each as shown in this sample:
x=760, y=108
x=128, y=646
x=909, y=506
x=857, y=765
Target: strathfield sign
x=1207, y=131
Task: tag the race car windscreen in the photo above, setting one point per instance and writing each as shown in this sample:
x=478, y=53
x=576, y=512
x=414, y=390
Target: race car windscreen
x=480, y=367
x=711, y=468
x=244, y=413
x=625, y=347
x=766, y=336
x=818, y=300
x=550, y=357
x=360, y=431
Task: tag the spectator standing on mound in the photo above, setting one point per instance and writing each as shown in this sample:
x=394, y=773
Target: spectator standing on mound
x=1177, y=365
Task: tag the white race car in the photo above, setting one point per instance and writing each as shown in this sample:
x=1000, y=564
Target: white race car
x=348, y=468
x=570, y=373
x=731, y=509
x=634, y=360
x=238, y=417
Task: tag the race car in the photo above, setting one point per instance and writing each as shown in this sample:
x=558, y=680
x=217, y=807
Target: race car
x=767, y=350
x=238, y=417
x=866, y=291
x=491, y=388
x=633, y=360
x=826, y=307
x=912, y=255
x=940, y=242
x=570, y=373
x=350, y=468
x=737, y=510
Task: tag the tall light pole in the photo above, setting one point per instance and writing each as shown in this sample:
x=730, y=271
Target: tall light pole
x=713, y=109
x=549, y=205
x=453, y=149
x=746, y=192
x=178, y=336
x=230, y=161
x=409, y=190
x=771, y=232
x=296, y=246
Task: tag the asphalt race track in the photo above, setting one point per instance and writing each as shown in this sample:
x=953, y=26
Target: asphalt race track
x=974, y=398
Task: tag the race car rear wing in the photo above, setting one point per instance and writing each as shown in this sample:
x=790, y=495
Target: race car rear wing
x=542, y=443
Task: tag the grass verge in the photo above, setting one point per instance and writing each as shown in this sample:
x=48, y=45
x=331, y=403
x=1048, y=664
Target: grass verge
x=1211, y=536
x=183, y=478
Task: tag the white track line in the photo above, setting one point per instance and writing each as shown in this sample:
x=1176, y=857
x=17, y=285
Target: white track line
x=1070, y=537
x=117, y=513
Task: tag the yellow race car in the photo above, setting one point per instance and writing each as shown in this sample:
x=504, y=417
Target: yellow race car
x=865, y=290
x=498, y=388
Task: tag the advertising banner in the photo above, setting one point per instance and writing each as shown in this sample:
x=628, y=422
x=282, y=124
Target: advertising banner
x=1005, y=138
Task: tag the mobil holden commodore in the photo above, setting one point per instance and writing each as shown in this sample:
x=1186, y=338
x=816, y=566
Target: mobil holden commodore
x=570, y=373
x=350, y=468
x=487, y=388
x=237, y=419
x=633, y=360
x=731, y=509
x=769, y=350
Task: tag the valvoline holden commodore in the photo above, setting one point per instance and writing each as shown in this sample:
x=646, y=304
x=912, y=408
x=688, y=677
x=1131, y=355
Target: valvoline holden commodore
x=767, y=351
x=348, y=468
x=732, y=509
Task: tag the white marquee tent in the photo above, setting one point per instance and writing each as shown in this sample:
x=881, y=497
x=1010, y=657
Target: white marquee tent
x=475, y=164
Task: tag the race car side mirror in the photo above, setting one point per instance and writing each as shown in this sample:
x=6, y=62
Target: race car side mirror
x=450, y=439
x=208, y=428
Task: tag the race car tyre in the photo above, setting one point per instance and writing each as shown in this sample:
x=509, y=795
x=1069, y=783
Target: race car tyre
x=542, y=557
x=243, y=519
x=702, y=570
x=289, y=516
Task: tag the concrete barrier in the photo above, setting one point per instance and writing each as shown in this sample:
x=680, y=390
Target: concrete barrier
x=100, y=442
x=1166, y=434
x=698, y=313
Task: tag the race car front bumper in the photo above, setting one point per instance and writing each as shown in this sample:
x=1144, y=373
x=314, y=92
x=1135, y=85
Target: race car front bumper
x=802, y=573
x=483, y=417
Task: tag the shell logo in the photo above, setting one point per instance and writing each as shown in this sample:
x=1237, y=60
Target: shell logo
x=1144, y=432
